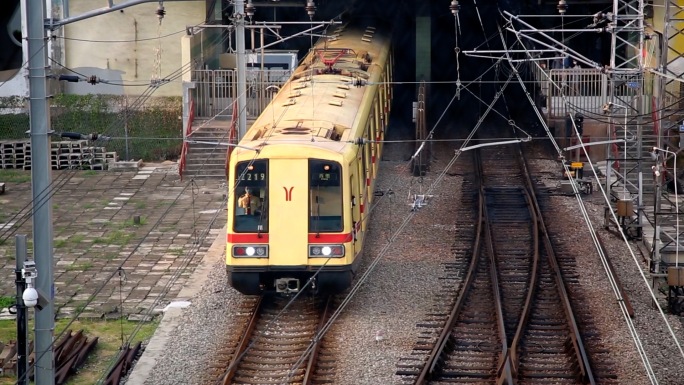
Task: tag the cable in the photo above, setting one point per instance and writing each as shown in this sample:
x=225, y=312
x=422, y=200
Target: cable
x=67, y=177
x=63, y=178
x=125, y=41
x=603, y=258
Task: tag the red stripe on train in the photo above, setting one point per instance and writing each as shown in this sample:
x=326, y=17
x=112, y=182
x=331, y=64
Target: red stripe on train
x=247, y=238
x=330, y=238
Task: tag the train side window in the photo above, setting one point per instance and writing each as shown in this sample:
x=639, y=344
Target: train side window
x=251, y=197
x=325, y=196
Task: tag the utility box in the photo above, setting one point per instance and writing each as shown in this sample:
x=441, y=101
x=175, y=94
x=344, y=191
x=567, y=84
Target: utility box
x=625, y=207
x=578, y=168
x=675, y=276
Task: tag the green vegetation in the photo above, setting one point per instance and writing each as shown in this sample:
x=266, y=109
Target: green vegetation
x=153, y=132
x=79, y=266
x=6, y=301
x=117, y=237
x=90, y=173
x=109, y=341
x=131, y=223
x=59, y=243
x=14, y=176
x=76, y=239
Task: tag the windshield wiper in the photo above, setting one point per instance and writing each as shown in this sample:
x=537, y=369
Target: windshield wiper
x=261, y=218
x=318, y=215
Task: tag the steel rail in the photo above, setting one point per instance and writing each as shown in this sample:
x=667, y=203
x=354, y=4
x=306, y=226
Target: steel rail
x=244, y=342
x=313, y=357
x=504, y=371
x=438, y=348
x=512, y=356
x=575, y=336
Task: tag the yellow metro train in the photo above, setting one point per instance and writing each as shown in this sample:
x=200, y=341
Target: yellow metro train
x=303, y=176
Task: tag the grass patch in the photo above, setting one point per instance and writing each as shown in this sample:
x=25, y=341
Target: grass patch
x=131, y=223
x=117, y=237
x=79, y=266
x=15, y=176
x=109, y=342
x=140, y=205
x=76, y=239
x=88, y=206
x=89, y=173
x=6, y=301
x=60, y=243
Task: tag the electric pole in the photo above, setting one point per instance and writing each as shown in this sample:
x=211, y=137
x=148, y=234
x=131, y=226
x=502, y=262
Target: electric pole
x=41, y=176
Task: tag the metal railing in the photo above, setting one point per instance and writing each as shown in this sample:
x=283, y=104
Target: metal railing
x=583, y=90
x=216, y=90
x=186, y=134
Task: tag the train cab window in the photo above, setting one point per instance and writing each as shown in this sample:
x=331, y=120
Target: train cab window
x=251, y=202
x=325, y=196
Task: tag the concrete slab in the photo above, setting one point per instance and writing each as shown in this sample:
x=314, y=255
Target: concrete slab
x=171, y=319
x=97, y=235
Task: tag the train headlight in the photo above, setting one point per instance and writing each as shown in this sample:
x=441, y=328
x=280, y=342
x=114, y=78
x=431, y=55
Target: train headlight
x=247, y=251
x=326, y=251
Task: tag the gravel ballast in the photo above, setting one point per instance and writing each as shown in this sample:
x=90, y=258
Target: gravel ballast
x=378, y=326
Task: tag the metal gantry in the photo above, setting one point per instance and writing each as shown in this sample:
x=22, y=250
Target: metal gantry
x=624, y=173
x=668, y=120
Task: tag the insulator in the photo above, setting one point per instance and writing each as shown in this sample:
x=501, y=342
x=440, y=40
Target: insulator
x=160, y=11
x=250, y=9
x=310, y=9
x=93, y=79
x=454, y=7
x=562, y=7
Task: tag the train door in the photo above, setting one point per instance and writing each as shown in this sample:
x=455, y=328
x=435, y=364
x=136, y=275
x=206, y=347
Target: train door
x=354, y=182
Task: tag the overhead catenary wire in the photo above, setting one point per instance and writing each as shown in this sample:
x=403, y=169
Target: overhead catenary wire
x=603, y=258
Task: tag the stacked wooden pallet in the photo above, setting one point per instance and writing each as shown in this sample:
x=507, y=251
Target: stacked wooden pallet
x=74, y=154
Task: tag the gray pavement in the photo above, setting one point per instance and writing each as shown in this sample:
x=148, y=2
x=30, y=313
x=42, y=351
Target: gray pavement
x=95, y=234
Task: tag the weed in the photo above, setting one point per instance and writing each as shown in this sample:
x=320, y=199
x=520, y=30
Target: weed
x=90, y=173
x=117, y=237
x=76, y=239
x=140, y=205
x=59, y=243
x=79, y=266
x=15, y=176
x=131, y=223
x=6, y=301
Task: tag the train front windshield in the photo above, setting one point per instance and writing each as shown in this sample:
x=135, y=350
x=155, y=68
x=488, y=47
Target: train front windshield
x=325, y=196
x=251, y=190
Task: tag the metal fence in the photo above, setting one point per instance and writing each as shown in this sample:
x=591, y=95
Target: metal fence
x=586, y=90
x=215, y=90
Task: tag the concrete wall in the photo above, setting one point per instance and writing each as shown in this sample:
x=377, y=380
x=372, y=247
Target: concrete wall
x=127, y=61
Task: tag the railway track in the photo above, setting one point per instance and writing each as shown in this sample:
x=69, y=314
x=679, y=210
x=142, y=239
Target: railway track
x=276, y=345
x=512, y=321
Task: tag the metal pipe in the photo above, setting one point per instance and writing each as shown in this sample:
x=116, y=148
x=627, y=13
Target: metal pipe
x=22, y=319
x=563, y=30
x=239, y=17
